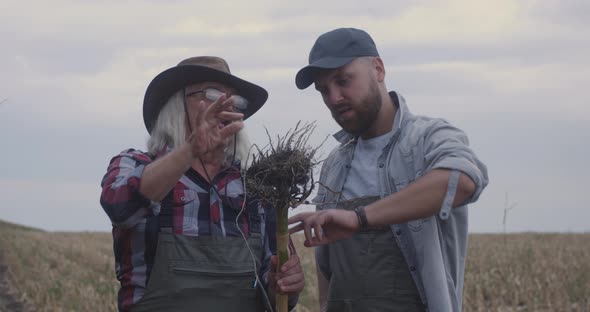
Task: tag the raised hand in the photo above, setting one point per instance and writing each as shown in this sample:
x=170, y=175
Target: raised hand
x=213, y=125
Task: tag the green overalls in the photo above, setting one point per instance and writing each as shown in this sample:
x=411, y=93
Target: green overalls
x=204, y=273
x=368, y=272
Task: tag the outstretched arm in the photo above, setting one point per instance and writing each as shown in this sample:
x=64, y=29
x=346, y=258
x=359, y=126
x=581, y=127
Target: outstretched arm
x=421, y=199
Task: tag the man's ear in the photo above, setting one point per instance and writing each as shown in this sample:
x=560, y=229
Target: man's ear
x=379, y=68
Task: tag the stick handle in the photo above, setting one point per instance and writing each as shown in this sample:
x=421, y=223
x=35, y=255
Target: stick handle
x=281, y=300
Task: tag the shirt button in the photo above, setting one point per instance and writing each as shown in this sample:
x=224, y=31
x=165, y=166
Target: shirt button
x=347, y=166
x=381, y=165
x=412, y=268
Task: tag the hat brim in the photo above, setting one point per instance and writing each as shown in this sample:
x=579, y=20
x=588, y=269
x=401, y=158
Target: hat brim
x=173, y=79
x=305, y=76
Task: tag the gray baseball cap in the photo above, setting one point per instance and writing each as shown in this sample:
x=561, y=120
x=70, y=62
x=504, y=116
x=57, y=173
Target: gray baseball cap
x=334, y=49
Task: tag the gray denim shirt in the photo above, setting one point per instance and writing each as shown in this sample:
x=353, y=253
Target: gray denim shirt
x=434, y=247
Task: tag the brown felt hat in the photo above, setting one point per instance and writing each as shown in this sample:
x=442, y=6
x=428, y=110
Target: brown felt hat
x=194, y=70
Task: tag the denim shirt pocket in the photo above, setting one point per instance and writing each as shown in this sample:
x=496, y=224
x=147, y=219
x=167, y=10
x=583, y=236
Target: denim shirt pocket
x=331, y=185
x=320, y=201
x=417, y=225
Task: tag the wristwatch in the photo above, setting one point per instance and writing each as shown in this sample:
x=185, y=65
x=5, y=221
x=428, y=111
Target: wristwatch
x=362, y=216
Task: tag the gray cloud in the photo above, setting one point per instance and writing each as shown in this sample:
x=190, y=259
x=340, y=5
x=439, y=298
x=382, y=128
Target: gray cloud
x=513, y=76
x=574, y=12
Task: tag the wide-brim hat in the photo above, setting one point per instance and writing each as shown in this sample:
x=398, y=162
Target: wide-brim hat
x=194, y=70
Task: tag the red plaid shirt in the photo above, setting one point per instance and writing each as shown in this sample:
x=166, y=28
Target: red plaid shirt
x=192, y=207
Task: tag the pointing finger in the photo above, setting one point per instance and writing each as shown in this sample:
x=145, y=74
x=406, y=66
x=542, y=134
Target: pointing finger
x=296, y=228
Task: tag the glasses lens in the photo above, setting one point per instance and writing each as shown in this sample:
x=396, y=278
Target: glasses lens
x=213, y=94
x=240, y=102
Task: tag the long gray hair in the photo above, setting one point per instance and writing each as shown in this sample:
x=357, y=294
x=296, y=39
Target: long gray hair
x=170, y=130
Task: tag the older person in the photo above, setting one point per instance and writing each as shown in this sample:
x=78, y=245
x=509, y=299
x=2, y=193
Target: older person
x=186, y=237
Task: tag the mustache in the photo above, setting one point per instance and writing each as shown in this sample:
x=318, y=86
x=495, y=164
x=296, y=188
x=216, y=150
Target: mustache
x=341, y=108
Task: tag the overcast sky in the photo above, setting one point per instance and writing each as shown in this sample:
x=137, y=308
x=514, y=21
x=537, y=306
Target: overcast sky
x=515, y=75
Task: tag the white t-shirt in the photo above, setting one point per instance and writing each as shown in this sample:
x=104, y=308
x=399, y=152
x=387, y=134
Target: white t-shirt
x=362, y=177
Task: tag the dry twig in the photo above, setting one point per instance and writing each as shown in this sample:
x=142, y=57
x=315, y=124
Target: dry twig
x=281, y=175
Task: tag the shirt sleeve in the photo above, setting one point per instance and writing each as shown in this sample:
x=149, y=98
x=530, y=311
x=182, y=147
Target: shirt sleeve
x=447, y=147
x=120, y=196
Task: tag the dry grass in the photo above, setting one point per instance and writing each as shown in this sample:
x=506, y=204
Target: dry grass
x=516, y=272
x=308, y=300
x=528, y=272
x=60, y=271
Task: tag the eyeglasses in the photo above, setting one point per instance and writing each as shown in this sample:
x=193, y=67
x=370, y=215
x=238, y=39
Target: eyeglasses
x=212, y=94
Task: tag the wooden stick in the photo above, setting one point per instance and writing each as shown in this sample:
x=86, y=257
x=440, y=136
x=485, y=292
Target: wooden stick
x=282, y=300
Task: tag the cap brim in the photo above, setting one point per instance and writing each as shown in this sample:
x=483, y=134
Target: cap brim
x=306, y=75
x=173, y=79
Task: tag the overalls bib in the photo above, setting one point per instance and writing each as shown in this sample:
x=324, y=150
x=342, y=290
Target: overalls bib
x=369, y=272
x=203, y=273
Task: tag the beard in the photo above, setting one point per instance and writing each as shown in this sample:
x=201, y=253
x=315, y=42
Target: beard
x=365, y=113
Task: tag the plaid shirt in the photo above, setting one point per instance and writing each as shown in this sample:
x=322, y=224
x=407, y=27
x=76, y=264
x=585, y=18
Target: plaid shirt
x=191, y=208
